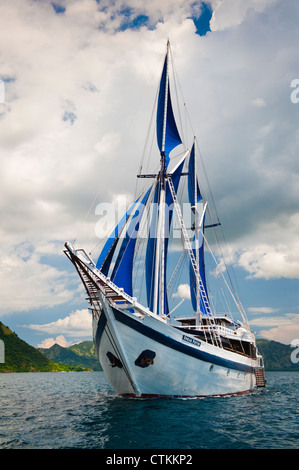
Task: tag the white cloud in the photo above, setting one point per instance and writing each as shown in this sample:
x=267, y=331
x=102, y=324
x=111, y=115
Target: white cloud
x=262, y=310
x=49, y=342
x=183, y=292
x=273, y=251
x=76, y=324
x=230, y=13
x=259, y=102
x=79, y=66
x=26, y=282
x=285, y=328
x=268, y=262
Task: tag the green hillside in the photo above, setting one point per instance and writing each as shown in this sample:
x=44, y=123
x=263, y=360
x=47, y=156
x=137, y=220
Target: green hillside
x=86, y=348
x=21, y=357
x=277, y=356
x=82, y=355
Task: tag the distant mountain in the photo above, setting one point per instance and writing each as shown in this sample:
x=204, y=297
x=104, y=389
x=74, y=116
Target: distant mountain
x=80, y=355
x=277, y=356
x=19, y=356
x=85, y=348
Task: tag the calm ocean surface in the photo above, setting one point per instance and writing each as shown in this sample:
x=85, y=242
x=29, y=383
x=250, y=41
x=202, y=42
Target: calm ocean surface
x=79, y=410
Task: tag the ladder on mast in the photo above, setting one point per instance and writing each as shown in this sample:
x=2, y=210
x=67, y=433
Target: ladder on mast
x=199, y=282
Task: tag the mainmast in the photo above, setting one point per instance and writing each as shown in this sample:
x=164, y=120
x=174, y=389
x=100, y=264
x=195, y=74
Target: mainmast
x=196, y=234
x=168, y=138
x=159, y=258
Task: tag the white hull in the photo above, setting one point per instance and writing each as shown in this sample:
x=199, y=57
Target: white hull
x=179, y=369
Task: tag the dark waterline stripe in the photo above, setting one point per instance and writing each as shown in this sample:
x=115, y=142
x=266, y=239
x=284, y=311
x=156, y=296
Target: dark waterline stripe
x=176, y=345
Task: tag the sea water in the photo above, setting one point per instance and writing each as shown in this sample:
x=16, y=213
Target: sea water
x=80, y=411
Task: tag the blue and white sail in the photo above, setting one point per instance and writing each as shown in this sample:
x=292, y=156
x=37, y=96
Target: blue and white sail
x=122, y=273
x=168, y=136
x=193, y=187
x=117, y=256
x=118, y=252
x=199, y=295
x=157, y=245
x=106, y=255
x=198, y=287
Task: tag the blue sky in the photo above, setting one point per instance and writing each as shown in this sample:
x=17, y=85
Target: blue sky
x=80, y=79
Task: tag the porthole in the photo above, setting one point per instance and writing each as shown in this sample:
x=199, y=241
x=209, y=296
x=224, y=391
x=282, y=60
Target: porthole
x=211, y=367
x=145, y=359
x=114, y=361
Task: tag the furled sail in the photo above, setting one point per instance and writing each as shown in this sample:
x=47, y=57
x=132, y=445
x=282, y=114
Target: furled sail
x=198, y=251
x=168, y=136
x=176, y=177
x=195, y=196
x=193, y=187
x=151, y=249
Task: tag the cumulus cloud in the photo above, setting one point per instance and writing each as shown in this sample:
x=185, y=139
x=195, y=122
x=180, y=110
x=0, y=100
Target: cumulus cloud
x=49, y=342
x=283, y=328
x=262, y=309
x=80, y=81
x=76, y=324
x=183, y=292
x=230, y=13
x=259, y=102
x=26, y=282
x=268, y=262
